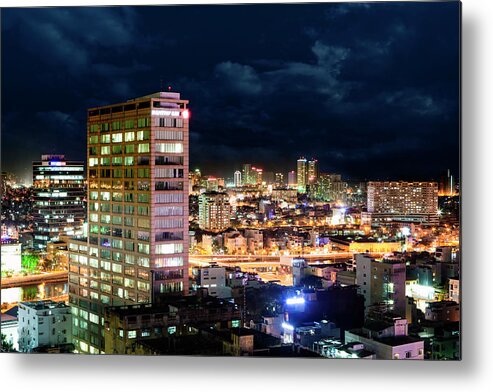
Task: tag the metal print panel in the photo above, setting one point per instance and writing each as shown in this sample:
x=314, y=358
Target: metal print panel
x=248, y=180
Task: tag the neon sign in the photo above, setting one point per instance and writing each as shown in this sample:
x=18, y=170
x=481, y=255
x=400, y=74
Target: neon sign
x=161, y=112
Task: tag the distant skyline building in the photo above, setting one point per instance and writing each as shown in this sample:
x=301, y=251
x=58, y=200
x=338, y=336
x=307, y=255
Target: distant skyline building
x=292, y=183
x=6, y=180
x=215, y=211
x=237, y=178
x=301, y=175
x=268, y=177
x=194, y=179
x=331, y=187
x=212, y=184
x=257, y=176
x=137, y=245
x=59, y=198
x=447, y=184
x=279, y=180
x=312, y=171
x=247, y=174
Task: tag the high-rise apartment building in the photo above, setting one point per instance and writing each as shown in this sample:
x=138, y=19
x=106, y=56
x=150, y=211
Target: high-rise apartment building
x=215, y=211
x=237, y=178
x=59, y=198
x=137, y=245
x=301, y=175
x=400, y=200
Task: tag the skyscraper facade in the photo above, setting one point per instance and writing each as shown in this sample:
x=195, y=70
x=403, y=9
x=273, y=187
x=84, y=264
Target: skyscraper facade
x=59, y=198
x=301, y=175
x=137, y=245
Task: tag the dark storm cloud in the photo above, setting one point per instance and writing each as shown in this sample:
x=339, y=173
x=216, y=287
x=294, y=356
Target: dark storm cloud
x=371, y=90
x=67, y=39
x=241, y=79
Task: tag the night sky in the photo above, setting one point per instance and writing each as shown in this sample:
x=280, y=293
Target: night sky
x=371, y=90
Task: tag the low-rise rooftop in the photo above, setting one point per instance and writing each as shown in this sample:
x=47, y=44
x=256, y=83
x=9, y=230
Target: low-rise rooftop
x=45, y=304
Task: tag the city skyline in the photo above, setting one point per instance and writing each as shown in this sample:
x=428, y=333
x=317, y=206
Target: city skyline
x=362, y=99
x=209, y=188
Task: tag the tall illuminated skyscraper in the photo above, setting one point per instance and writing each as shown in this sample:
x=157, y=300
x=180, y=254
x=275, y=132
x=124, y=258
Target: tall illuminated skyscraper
x=301, y=174
x=59, y=199
x=312, y=171
x=137, y=246
x=237, y=178
x=247, y=174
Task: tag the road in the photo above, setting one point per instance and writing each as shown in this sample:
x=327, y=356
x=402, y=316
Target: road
x=269, y=258
x=252, y=262
x=47, y=277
